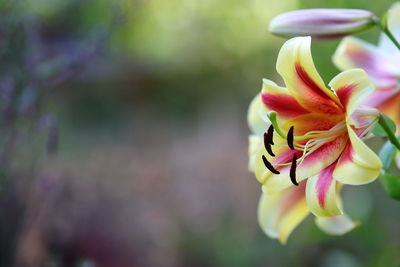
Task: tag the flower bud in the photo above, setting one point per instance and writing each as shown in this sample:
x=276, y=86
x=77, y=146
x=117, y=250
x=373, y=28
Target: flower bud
x=321, y=23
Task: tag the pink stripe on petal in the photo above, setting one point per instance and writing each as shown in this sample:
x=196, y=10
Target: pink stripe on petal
x=347, y=155
x=312, y=96
x=286, y=157
x=323, y=156
x=312, y=122
x=306, y=79
x=285, y=105
x=325, y=151
x=293, y=196
x=345, y=93
x=325, y=179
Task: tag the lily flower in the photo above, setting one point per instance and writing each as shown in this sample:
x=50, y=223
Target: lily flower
x=380, y=62
x=315, y=142
x=322, y=23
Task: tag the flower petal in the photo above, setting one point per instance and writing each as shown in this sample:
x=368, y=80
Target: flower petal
x=381, y=95
x=323, y=23
x=393, y=22
x=255, y=116
x=352, y=87
x=337, y=225
x=280, y=213
x=296, y=66
x=355, y=53
x=311, y=165
x=358, y=164
x=278, y=99
x=311, y=122
x=321, y=193
x=363, y=117
x=255, y=145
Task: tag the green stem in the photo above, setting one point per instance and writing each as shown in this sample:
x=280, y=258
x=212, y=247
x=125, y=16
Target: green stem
x=386, y=31
x=391, y=136
x=391, y=37
x=272, y=119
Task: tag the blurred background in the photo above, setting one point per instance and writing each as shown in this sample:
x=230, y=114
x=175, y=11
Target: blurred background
x=124, y=138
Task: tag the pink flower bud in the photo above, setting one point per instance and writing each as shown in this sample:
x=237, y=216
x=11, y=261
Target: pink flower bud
x=321, y=23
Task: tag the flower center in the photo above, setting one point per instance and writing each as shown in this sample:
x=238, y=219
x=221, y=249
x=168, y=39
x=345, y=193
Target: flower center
x=316, y=139
x=303, y=146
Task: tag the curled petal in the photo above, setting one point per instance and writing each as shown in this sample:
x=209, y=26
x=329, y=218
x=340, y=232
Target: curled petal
x=358, y=164
x=296, y=67
x=352, y=87
x=280, y=213
x=321, y=193
x=363, y=117
x=355, y=53
x=337, y=225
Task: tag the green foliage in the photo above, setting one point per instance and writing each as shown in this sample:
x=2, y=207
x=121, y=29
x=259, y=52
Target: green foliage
x=386, y=154
x=391, y=184
x=380, y=130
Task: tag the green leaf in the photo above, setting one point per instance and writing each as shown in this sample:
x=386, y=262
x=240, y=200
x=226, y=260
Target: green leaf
x=391, y=184
x=378, y=129
x=387, y=154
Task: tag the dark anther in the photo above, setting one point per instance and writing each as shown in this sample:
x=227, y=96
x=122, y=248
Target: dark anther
x=269, y=149
x=293, y=170
x=266, y=139
x=290, y=138
x=271, y=134
x=269, y=165
x=267, y=145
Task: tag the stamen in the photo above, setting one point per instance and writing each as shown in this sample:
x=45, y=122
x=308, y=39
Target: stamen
x=296, y=146
x=312, y=145
x=290, y=138
x=267, y=144
x=271, y=134
x=293, y=170
x=266, y=138
x=269, y=149
x=368, y=129
x=269, y=165
x=337, y=129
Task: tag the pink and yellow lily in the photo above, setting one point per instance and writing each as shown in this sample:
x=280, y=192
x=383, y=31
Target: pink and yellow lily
x=382, y=63
x=316, y=143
